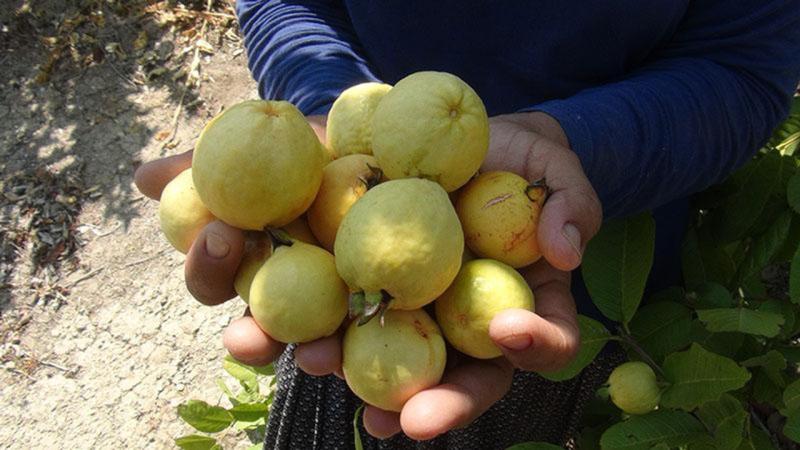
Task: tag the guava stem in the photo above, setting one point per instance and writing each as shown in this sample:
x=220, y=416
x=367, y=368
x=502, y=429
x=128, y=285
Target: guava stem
x=538, y=191
x=375, y=304
x=373, y=179
x=629, y=340
x=279, y=237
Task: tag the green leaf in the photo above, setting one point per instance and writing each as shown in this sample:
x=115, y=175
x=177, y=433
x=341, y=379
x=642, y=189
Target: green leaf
x=773, y=363
x=224, y=388
x=759, y=440
x=793, y=192
x=196, y=442
x=792, y=354
x=661, y=328
x=740, y=211
x=673, y=428
x=268, y=370
x=204, y=417
x=784, y=309
x=616, y=264
x=765, y=247
x=242, y=372
x=726, y=417
x=791, y=429
x=741, y=320
x=259, y=446
x=726, y=344
x=698, y=376
x=765, y=390
x=534, y=446
x=249, y=412
x=791, y=398
x=593, y=337
x=356, y=434
x=794, y=278
x=713, y=295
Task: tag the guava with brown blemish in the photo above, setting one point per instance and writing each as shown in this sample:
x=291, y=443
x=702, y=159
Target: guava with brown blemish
x=386, y=364
x=499, y=212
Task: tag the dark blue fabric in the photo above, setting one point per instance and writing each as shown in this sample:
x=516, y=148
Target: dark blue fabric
x=659, y=99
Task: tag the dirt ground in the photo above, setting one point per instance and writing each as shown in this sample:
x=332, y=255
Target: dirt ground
x=99, y=339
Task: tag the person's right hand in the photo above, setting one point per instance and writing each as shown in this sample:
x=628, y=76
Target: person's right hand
x=210, y=269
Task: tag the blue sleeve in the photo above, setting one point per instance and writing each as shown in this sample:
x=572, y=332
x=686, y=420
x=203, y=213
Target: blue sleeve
x=697, y=110
x=305, y=52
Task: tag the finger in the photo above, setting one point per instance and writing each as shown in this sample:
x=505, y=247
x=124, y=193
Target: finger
x=247, y=343
x=212, y=262
x=152, y=177
x=466, y=392
x=381, y=424
x=320, y=357
x=546, y=340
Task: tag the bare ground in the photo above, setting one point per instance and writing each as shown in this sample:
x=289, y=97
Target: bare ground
x=99, y=339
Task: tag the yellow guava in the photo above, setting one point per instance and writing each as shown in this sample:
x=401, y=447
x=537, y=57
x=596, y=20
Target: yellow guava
x=296, y=295
x=431, y=125
x=633, y=387
x=258, y=248
x=482, y=288
x=500, y=215
x=181, y=213
x=385, y=365
x=400, y=241
x=258, y=164
x=349, y=127
x=344, y=181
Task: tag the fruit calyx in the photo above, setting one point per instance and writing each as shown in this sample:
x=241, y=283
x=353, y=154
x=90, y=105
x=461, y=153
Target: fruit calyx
x=364, y=306
x=538, y=191
x=373, y=179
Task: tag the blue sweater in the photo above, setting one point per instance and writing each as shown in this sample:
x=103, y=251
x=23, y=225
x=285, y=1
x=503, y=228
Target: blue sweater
x=659, y=99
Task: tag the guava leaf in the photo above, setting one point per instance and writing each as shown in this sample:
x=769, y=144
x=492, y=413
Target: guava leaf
x=616, y=264
x=711, y=295
x=758, y=440
x=742, y=320
x=773, y=364
x=661, y=328
x=784, y=309
x=794, y=278
x=204, y=417
x=225, y=390
x=196, y=442
x=791, y=429
x=250, y=412
x=259, y=446
x=726, y=419
x=740, y=211
x=673, y=428
x=534, y=446
x=765, y=246
x=702, y=260
x=792, y=354
x=241, y=372
x=791, y=398
x=593, y=337
x=697, y=376
x=765, y=390
x=725, y=344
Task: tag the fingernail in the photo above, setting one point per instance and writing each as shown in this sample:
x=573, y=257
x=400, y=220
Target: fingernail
x=216, y=247
x=573, y=236
x=517, y=342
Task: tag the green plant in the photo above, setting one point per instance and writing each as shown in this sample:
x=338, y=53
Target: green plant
x=249, y=412
x=725, y=346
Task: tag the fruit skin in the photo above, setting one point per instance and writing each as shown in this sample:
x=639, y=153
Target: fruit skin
x=402, y=237
x=500, y=215
x=482, y=288
x=297, y=296
x=386, y=365
x=258, y=164
x=299, y=229
x=344, y=181
x=431, y=125
x=181, y=213
x=349, y=128
x=633, y=387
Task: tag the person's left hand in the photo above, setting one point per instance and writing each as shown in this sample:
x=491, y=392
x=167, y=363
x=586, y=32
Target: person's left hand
x=534, y=146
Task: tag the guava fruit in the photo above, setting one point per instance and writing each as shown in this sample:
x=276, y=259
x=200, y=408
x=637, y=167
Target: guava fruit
x=344, y=181
x=258, y=164
x=296, y=295
x=385, y=365
x=258, y=247
x=349, y=128
x=633, y=387
x=482, y=288
x=181, y=213
x=431, y=125
x=500, y=215
x=399, y=245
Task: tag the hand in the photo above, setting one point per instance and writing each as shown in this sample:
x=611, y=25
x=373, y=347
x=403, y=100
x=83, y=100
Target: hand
x=210, y=269
x=533, y=146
